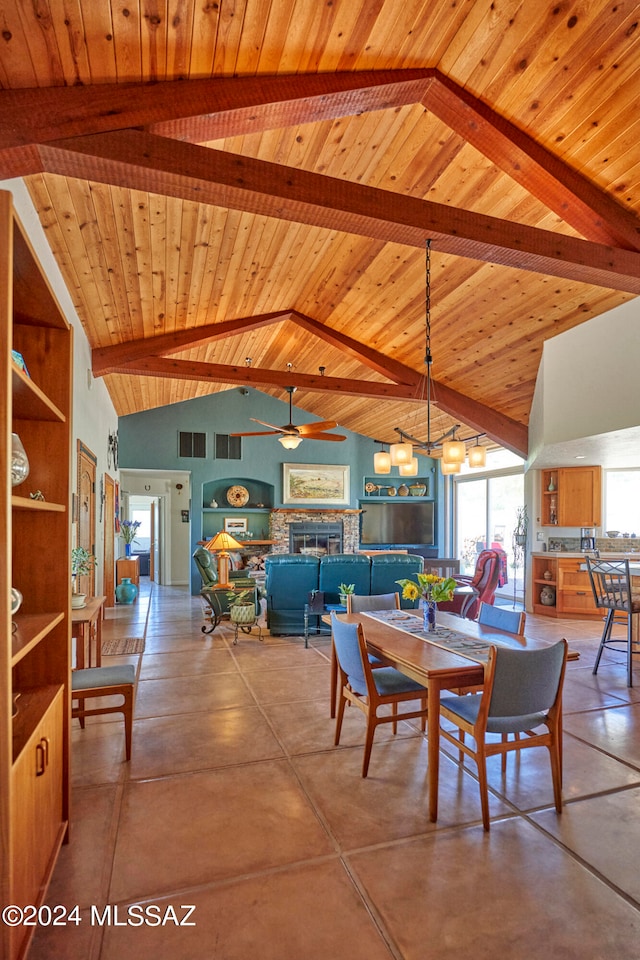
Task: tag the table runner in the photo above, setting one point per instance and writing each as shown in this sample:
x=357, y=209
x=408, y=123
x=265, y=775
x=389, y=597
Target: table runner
x=444, y=637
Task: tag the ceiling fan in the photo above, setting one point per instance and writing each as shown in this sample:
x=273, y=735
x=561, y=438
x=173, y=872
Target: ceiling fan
x=290, y=435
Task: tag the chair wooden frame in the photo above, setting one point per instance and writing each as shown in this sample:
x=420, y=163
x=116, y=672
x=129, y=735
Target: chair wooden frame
x=105, y=682
x=525, y=738
x=370, y=703
x=611, y=587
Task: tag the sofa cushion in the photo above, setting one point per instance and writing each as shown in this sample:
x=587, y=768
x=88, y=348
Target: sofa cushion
x=387, y=568
x=344, y=568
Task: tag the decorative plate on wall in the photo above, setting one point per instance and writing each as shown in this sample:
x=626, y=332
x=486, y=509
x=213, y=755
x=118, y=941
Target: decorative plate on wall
x=237, y=496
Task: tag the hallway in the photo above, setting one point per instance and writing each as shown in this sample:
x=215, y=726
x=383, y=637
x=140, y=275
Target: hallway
x=236, y=801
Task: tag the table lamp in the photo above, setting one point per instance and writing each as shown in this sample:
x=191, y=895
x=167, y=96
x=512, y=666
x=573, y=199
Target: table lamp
x=220, y=544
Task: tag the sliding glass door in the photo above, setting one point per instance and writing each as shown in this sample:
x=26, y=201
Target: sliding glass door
x=485, y=516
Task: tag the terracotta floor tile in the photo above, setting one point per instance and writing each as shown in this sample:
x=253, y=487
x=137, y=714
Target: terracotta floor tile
x=311, y=912
x=193, y=829
x=177, y=695
x=199, y=741
x=510, y=894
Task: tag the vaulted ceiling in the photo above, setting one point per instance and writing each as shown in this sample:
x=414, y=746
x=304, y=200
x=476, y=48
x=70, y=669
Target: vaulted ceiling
x=242, y=192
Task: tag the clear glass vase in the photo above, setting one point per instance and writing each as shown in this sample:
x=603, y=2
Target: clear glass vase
x=19, y=461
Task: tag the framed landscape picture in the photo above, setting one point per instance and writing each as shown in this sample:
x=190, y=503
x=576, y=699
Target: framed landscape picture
x=235, y=525
x=315, y=483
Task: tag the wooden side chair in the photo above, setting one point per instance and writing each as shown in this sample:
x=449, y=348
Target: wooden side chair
x=98, y=682
x=512, y=621
x=370, y=689
x=522, y=691
x=358, y=603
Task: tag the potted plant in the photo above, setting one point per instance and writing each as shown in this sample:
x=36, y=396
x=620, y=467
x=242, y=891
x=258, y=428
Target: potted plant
x=82, y=564
x=521, y=527
x=128, y=530
x=242, y=608
x=344, y=590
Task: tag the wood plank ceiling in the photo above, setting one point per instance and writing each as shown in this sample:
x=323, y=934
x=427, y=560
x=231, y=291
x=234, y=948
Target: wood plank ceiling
x=258, y=179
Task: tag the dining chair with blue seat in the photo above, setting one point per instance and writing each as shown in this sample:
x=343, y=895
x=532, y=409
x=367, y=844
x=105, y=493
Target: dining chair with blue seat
x=96, y=682
x=522, y=691
x=370, y=689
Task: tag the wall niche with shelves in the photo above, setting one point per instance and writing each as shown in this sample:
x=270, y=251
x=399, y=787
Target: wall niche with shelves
x=414, y=488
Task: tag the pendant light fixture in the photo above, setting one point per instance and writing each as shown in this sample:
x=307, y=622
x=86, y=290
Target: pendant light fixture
x=449, y=468
x=382, y=461
x=477, y=456
x=401, y=453
x=453, y=451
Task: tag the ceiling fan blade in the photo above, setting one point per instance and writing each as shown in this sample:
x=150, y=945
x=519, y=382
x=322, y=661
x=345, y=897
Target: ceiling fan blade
x=306, y=428
x=324, y=436
x=272, y=425
x=257, y=433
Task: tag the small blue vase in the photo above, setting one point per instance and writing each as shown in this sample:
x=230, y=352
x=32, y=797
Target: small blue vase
x=429, y=608
x=126, y=591
x=127, y=549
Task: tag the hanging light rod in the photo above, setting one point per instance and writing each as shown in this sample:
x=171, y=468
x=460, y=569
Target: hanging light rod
x=435, y=444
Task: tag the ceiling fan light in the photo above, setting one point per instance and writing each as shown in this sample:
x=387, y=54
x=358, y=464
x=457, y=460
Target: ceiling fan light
x=289, y=442
x=477, y=456
x=409, y=469
x=401, y=453
x=449, y=467
x=453, y=451
x=382, y=462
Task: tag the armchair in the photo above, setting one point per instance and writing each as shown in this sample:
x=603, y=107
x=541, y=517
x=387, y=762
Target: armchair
x=484, y=581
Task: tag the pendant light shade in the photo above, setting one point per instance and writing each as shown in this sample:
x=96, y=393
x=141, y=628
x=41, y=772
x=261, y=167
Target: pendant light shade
x=477, y=456
x=401, y=453
x=382, y=462
x=409, y=469
x=453, y=451
x=448, y=468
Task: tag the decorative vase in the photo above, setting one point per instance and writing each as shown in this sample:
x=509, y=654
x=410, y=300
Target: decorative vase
x=78, y=601
x=551, y=486
x=429, y=608
x=126, y=591
x=548, y=596
x=127, y=549
x=243, y=613
x=19, y=461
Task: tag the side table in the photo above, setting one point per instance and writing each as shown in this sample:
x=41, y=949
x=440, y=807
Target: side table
x=128, y=567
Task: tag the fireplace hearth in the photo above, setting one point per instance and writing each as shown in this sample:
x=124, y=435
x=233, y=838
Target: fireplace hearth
x=315, y=539
x=314, y=530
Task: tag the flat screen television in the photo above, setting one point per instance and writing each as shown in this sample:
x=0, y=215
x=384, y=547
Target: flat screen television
x=400, y=523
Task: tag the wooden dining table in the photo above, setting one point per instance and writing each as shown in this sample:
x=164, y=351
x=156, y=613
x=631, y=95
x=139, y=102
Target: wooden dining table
x=436, y=668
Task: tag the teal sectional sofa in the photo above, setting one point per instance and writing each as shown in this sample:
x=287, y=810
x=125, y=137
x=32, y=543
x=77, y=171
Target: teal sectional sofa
x=291, y=577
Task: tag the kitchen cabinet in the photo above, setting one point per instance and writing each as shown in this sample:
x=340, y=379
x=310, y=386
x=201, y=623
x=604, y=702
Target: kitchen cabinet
x=571, y=497
x=35, y=707
x=573, y=594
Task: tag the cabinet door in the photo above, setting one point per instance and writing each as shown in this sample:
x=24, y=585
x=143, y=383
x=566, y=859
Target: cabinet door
x=579, y=497
x=574, y=589
x=37, y=822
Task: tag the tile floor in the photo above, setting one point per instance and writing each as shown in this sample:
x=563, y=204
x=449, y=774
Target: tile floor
x=236, y=802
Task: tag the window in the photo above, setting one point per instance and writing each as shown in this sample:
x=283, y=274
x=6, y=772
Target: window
x=227, y=447
x=622, y=501
x=192, y=444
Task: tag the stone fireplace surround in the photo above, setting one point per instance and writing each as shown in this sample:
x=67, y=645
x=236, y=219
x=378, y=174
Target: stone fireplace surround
x=282, y=518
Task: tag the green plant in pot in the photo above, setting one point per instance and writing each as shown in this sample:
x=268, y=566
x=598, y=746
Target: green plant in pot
x=242, y=608
x=344, y=590
x=82, y=565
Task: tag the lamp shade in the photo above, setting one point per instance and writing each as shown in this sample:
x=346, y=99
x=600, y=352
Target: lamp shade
x=382, y=462
x=222, y=541
x=290, y=442
x=454, y=451
x=401, y=453
x=409, y=469
x=477, y=456
x=449, y=467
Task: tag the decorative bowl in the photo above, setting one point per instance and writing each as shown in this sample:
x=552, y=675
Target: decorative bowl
x=612, y=533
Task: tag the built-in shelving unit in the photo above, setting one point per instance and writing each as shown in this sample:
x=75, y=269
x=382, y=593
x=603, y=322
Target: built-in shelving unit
x=34, y=692
x=414, y=488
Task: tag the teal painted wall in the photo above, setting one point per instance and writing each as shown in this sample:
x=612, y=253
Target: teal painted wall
x=149, y=440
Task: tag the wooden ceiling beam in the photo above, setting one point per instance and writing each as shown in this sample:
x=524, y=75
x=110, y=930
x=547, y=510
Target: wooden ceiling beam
x=383, y=365
x=137, y=160
x=590, y=211
x=105, y=360
x=255, y=376
x=200, y=110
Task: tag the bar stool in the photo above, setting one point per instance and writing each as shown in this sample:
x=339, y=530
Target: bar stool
x=611, y=586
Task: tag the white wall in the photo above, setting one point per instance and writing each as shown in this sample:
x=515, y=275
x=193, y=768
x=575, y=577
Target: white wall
x=94, y=415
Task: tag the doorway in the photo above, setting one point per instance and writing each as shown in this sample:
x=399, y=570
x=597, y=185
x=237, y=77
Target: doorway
x=148, y=545
x=86, y=512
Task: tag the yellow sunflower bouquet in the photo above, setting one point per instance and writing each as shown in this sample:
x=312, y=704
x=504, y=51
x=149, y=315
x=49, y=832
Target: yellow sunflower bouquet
x=429, y=586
